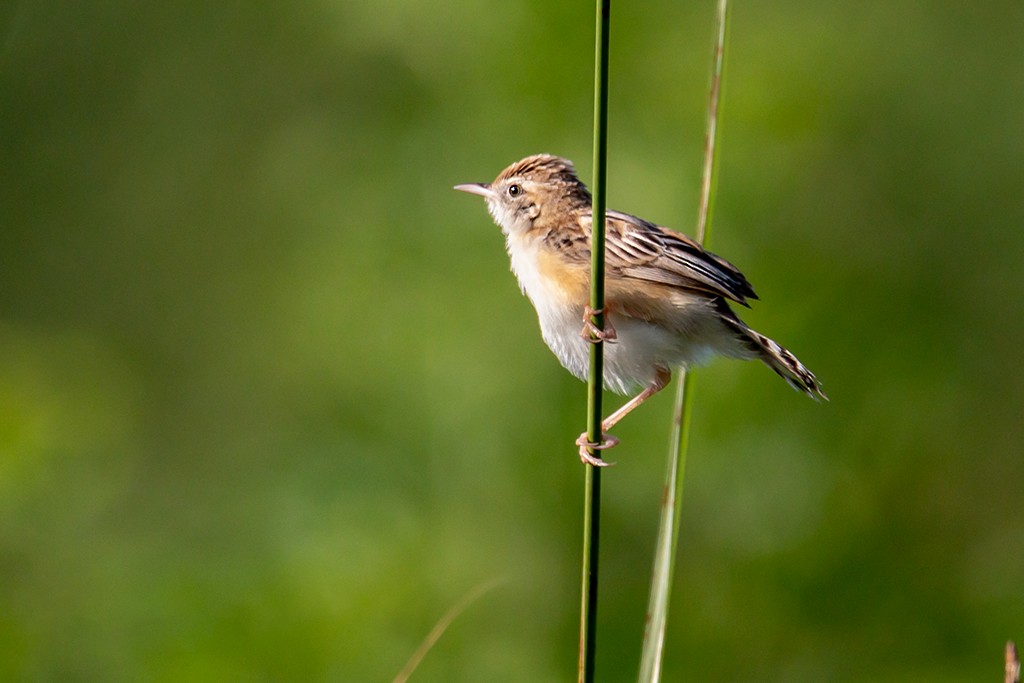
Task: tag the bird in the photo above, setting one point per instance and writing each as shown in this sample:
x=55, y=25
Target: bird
x=667, y=299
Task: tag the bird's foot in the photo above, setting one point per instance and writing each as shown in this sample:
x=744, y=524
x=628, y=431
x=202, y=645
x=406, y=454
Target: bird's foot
x=591, y=332
x=586, y=446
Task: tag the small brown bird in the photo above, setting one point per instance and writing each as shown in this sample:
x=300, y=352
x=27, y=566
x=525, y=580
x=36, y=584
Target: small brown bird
x=666, y=298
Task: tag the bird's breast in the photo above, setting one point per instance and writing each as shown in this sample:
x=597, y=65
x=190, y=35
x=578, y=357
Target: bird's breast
x=545, y=275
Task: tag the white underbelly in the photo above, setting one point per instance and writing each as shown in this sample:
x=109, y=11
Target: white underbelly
x=631, y=361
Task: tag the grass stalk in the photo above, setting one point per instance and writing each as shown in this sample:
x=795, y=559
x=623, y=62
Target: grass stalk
x=652, y=655
x=441, y=626
x=595, y=385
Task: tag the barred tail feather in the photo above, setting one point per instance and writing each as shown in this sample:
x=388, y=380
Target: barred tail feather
x=779, y=359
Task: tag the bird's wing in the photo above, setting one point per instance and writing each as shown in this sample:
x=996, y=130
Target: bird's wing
x=641, y=250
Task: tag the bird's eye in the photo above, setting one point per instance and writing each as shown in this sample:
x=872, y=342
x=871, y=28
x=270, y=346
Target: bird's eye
x=515, y=190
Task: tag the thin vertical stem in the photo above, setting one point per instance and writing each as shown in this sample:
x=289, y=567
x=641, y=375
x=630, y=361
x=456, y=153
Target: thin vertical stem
x=592, y=491
x=711, y=133
x=651, y=658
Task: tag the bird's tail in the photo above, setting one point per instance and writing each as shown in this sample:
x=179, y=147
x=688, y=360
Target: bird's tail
x=778, y=358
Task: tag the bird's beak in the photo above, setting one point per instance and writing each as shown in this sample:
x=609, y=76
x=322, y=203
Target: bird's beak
x=482, y=189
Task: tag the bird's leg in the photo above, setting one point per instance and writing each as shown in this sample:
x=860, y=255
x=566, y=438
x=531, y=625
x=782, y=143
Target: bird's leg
x=661, y=380
x=591, y=332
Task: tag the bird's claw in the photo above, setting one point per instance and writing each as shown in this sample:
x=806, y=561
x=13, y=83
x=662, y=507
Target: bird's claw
x=586, y=446
x=594, y=334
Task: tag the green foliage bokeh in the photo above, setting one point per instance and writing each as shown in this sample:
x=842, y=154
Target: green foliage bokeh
x=271, y=403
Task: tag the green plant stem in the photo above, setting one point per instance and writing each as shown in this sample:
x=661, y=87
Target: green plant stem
x=708, y=174
x=652, y=655
x=592, y=490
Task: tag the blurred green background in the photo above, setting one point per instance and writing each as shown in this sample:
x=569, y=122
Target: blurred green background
x=271, y=402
